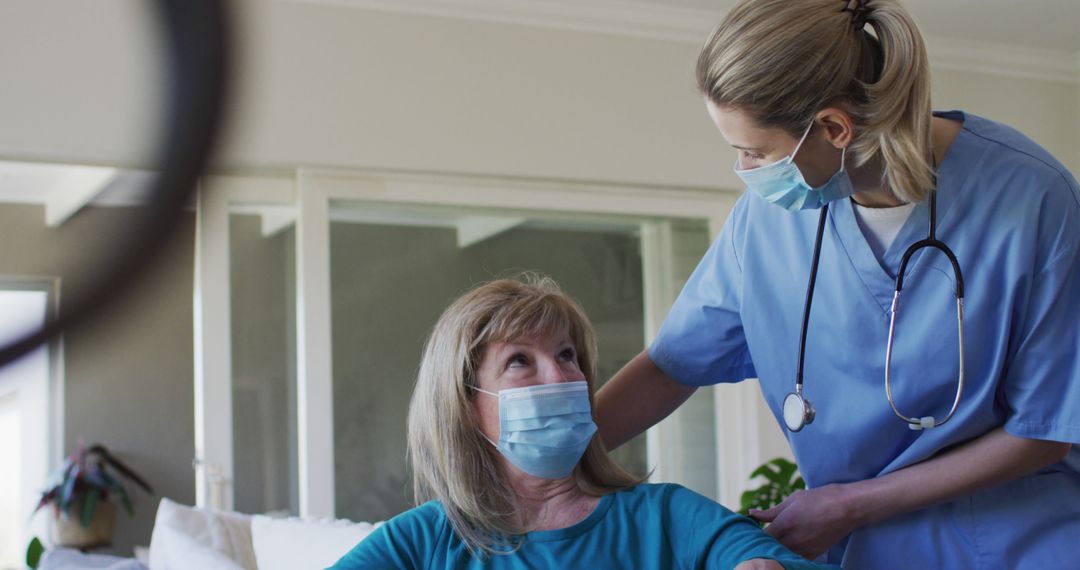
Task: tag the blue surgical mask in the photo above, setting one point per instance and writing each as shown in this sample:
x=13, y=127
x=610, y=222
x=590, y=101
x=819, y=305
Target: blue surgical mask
x=544, y=429
x=782, y=183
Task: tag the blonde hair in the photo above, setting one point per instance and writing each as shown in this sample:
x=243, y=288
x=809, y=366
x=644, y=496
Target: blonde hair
x=450, y=460
x=782, y=61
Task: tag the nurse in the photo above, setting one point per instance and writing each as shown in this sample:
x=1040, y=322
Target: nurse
x=841, y=90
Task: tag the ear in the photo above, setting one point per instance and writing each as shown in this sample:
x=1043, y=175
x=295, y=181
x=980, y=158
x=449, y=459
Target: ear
x=838, y=126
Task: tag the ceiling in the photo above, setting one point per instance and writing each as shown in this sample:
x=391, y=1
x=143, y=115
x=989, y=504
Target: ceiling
x=1022, y=38
x=1044, y=24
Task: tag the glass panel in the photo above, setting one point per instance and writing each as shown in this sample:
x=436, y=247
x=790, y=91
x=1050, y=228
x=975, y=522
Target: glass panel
x=24, y=422
x=393, y=272
x=262, y=280
x=12, y=517
x=697, y=416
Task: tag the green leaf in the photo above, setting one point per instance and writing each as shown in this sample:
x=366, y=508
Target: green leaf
x=785, y=468
x=781, y=480
x=34, y=552
x=89, y=506
x=767, y=472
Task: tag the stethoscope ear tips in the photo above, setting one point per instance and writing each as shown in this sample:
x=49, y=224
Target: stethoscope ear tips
x=926, y=422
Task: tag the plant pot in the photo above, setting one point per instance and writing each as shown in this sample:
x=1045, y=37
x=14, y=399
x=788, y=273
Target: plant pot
x=68, y=530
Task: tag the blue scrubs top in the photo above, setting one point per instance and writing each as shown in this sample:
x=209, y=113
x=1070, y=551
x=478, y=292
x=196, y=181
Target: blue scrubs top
x=1011, y=214
x=648, y=526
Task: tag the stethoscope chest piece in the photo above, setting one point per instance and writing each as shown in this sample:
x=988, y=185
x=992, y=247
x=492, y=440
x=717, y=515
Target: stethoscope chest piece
x=798, y=412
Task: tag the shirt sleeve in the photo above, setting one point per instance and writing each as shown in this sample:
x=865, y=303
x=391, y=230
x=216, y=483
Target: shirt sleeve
x=1041, y=389
x=404, y=542
x=714, y=537
x=701, y=341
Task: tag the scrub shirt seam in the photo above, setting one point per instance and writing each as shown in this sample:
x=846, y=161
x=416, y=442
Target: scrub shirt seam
x=665, y=363
x=730, y=373
x=1055, y=169
x=1043, y=428
x=1061, y=253
x=975, y=531
x=735, y=253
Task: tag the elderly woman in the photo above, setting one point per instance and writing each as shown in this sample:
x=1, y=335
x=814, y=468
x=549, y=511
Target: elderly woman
x=508, y=467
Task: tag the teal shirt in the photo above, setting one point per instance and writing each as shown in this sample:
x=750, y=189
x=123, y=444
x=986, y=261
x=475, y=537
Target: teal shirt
x=648, y=526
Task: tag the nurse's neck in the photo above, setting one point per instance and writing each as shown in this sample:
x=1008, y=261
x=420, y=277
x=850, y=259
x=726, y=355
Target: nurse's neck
x=871, y=193
x=869, y=190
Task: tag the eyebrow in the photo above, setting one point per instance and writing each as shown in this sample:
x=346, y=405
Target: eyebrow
x=568, y=342
x=746, y=147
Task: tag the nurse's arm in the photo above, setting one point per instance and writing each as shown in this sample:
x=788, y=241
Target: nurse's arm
x=991, y=459
x=811, y=521
x=635, y=399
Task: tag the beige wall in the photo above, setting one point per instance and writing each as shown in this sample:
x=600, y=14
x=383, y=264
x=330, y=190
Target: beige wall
x=336, y=86
x=128, y=377
x=1046, y=111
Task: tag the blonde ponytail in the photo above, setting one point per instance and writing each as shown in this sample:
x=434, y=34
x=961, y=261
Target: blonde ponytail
x=784, y=60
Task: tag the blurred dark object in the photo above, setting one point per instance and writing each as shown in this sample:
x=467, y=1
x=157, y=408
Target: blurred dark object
x=197, y=51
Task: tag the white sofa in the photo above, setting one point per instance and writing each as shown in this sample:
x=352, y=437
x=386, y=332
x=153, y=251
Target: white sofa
x=187, y=537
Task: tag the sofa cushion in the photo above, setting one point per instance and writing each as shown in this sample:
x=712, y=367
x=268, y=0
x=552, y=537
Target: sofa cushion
x=188, y=537
x=300, y=544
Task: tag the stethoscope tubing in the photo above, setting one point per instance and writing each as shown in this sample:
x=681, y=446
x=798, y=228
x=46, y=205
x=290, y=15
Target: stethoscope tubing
x=931, y=242
x=810, y=297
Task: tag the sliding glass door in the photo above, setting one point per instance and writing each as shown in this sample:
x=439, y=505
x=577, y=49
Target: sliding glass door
x=327, y=286
x=394, y=269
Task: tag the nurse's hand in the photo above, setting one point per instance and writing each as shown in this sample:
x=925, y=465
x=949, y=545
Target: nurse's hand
x=809, y=522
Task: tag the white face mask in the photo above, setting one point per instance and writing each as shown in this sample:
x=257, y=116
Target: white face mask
x=782, y=183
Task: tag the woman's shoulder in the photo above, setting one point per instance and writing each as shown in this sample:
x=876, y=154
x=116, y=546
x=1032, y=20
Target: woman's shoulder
x=428, y=515
x=404, y=541
x=670, y=495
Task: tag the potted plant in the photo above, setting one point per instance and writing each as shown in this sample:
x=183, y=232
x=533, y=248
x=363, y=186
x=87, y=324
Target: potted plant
x=781, y=480
x=83, y=493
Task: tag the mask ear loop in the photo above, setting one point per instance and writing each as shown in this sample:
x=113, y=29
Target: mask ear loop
x=481, y=390
x=803, y=139
x=478, y=430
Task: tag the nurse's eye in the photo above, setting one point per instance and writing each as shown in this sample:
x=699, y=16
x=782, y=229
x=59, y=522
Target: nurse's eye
x=568, y=355
x=754, y=156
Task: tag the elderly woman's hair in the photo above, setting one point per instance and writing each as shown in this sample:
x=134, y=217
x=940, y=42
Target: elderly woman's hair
x=451, y=461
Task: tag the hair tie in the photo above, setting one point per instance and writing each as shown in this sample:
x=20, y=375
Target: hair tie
x=859, y=12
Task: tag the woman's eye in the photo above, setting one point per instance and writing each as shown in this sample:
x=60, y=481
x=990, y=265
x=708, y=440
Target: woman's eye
x=752, y=155
x=517, y=360
x=568, y=355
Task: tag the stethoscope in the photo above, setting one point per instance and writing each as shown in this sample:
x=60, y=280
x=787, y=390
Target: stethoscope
x=797, y=411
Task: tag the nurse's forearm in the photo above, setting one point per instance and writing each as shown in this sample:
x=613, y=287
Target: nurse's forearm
x=991, y=459
x=635, y=399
